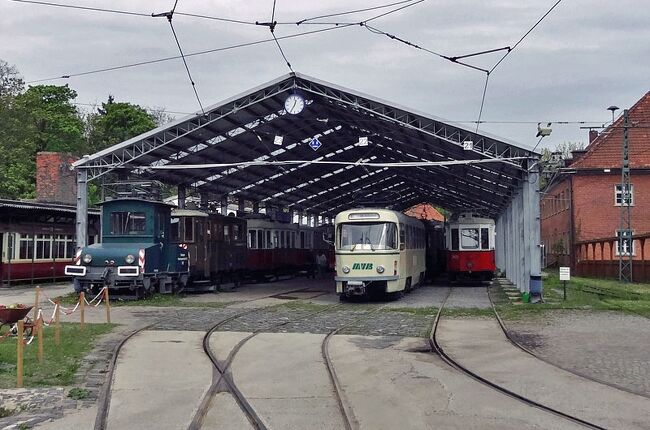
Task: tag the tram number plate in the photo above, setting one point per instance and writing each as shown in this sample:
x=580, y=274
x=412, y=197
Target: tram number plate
x=565, y=273
x=355, y=283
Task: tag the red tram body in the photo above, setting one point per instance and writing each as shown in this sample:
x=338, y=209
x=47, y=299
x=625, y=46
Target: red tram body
x=278, y=248
x=470, y=248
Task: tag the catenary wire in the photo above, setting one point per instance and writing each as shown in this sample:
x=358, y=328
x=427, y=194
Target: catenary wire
x=88, y=8
x=209, y=51
x=525, y=35
x=192, y=54
x=305, y=21
x=170, y=15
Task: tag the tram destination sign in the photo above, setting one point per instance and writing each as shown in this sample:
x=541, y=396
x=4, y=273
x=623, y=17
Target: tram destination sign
x=565, y=273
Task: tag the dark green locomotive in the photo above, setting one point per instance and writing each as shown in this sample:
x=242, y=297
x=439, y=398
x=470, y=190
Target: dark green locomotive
x=137, y=255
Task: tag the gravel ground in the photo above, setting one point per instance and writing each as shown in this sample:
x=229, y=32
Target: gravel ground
x=366, y=319
x=609, y=346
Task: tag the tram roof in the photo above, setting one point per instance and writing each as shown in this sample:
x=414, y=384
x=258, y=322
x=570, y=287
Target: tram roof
x=411, y=157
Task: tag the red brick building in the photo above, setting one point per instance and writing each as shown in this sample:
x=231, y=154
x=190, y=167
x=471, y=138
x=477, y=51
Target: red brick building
x=580, y=207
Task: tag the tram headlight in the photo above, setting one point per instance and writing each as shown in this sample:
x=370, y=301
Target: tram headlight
x=129, y=259
x=380, y=269
x=87, y=258
x=345, y=269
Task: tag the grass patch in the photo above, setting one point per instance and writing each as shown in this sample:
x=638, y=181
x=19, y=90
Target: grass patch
x=427, y=311
x=468, y=312
x=300, y=305
x=6, y=412
x=578, y=297
x=60, y=363
x=156, y=300
x=78, y=393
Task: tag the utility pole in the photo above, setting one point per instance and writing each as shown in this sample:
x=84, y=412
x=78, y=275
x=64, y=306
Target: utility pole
x=625, y=241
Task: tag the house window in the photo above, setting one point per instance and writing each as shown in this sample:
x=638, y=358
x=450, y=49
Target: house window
x=628, y=243
x=620, y=198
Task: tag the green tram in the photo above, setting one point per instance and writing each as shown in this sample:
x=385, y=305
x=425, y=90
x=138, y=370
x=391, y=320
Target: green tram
x=136, y=256
x=378, y=251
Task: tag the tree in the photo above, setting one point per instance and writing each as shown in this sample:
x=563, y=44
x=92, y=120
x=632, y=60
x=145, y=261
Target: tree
x=11, y=83
x=116, y=122
x=42, y=118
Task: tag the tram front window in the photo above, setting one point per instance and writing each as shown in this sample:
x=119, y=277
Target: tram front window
x=367, y=235
x=469, y=238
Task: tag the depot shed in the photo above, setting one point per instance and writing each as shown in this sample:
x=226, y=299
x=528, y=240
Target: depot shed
x=313, y=148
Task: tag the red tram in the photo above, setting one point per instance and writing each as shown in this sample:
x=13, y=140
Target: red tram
x=470, y=248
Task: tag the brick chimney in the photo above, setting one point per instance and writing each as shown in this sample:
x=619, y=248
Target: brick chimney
x=593, y=134
x=55, y=182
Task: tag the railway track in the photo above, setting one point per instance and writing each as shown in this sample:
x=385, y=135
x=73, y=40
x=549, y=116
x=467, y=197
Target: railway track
x=528, y=351
x=435, y=346
x=347, y=412
x=104, y=401
x=223, y=368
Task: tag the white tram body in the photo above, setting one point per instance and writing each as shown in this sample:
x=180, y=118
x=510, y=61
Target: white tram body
x=378, y=251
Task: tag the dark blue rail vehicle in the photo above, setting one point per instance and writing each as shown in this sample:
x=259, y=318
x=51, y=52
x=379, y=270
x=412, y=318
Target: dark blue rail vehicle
x=137, y=255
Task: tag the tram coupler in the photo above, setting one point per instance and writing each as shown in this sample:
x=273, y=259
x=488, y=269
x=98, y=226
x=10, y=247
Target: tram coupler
x=355, y=288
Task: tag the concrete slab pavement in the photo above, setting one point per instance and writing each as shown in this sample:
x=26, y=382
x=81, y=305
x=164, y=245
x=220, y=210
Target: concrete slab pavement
x=160, y=379
x=284, y=377
x=27, y=294
x=390, y=385
x=481, y=346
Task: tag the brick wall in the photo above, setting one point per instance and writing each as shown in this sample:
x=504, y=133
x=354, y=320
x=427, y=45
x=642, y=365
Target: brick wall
x=596, y=216
x=55, y=182
x=556, y=223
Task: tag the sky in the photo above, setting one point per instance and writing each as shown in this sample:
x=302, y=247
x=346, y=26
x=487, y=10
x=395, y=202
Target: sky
x=583, y=57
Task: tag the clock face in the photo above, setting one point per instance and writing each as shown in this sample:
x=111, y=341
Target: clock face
x=294, y=104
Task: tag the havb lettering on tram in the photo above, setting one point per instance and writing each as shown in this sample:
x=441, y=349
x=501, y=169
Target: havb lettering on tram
x=378, y=251
x=470, y=248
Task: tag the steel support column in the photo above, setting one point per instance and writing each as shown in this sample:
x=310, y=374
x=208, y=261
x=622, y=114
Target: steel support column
x=531, y=189
x=223, y=207
x=182, y=194
x=82, y=208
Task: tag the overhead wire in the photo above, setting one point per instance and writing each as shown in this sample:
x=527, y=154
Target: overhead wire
x=192, y=54
x=209, y=51
x=88, y=8
x=525, y=35
x=170, y=15
x=504, y=57
x=305, y=21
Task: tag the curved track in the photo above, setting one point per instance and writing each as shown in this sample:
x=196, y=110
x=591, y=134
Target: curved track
x=104, y=401
x=223, y=369
x=347, y=413
x=433, y=342
x=528, y=351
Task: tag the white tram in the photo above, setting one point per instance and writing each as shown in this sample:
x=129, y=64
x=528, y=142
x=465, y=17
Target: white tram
x=378, y=251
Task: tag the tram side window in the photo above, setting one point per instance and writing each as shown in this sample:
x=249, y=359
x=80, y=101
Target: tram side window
x=469, y=238
x=293, y=239
x=189, y=229
x=236, y=235
x=454, y=239
x=302, y=239
x=252, y=239
x=402, y=236
x=127, y=223
x=174, y=229
x=26, y=247
x=260, y=239
x=485, y=238
x=269, y=244
x=227, y=235
x=43, y=246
